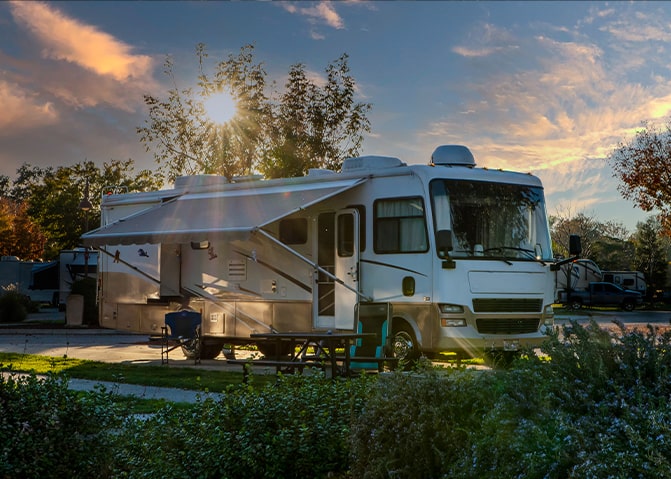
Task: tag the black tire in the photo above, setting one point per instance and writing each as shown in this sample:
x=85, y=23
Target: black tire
x=575, y=304
x=628, y=306
x=404, y=346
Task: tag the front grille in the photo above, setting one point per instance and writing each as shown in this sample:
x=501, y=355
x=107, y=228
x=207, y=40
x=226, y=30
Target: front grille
x=507, y=305
x=507, y=326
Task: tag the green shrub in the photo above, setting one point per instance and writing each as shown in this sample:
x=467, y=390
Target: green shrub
x=14, y=306
x=296, y=428
x=597, y=408
x=49, y=431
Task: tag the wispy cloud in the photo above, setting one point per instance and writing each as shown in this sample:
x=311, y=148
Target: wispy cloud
x=69, y=40
x=563, y=114
x=322, y=13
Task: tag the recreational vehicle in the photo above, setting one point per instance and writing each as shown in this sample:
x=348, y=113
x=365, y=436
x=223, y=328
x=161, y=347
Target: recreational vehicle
x=634, y=280
x=461, y=255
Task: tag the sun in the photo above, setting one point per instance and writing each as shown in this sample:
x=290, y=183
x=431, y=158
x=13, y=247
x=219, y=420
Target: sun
x=220, y=107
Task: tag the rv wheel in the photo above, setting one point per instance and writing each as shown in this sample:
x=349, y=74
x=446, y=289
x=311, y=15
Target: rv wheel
x=404, y=346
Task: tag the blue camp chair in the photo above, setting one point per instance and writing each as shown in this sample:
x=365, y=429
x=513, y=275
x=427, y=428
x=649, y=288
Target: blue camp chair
x=182, y=328
x=369, y=352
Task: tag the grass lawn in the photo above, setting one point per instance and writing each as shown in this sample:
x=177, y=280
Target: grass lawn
x=174, y=377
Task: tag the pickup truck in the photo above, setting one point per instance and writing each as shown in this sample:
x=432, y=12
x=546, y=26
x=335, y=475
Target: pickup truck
x=604, y=294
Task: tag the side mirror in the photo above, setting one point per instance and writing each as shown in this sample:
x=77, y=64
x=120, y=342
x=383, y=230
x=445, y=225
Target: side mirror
x=443, y=243
x=575, y=248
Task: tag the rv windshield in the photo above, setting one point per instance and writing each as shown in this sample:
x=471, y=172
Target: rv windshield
x=492, y=219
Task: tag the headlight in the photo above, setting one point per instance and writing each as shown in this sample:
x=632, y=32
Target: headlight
x=451, y=308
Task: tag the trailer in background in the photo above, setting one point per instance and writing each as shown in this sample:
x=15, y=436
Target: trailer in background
x=633, y=280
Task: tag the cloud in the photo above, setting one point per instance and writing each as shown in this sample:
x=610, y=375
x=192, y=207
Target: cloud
x=22, y=109
x=486, y=40
x=323, y=13
x=66, y=39
x=564, y=111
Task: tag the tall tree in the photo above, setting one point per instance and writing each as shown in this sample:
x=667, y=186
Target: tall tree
x=564, y=225
x=650, y=255
x=643, y=167
x=315, y=126
x=276, y=133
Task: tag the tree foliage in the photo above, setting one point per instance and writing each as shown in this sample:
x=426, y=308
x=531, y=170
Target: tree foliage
x=19, y=235
x=650, y=254
x=608, y=244
x=564, y=225
x=643, y=167
x=278, y=134
x=41, y=209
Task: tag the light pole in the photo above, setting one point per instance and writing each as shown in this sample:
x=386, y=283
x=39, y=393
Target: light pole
x=85, y=206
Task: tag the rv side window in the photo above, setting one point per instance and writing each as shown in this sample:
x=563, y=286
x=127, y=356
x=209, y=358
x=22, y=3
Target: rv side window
x=345, y=236
x=294, y=231
x=362, y=225
x=400, y=226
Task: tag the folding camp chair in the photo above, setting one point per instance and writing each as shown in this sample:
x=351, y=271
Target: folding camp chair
x=182, y=329
x=368, y=352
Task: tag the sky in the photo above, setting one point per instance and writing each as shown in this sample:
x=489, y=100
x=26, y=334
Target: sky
x=549, y=88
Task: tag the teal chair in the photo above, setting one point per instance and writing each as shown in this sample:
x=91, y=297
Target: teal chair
x=369, y=352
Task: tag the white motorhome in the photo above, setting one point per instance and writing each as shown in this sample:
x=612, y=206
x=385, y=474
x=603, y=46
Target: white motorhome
x=634, y=280
x=461, y=254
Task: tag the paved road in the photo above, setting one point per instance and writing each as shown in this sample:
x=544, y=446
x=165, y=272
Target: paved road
x=629, y=318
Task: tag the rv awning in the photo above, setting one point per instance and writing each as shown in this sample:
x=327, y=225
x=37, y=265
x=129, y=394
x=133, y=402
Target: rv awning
x=209, y=216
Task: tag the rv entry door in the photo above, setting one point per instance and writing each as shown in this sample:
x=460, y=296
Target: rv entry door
x=346, y=267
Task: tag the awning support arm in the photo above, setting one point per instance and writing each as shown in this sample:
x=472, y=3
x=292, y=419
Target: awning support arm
x=312, y=263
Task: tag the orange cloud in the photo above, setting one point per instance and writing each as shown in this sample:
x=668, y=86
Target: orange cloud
x=68, y=40
x=22, y=110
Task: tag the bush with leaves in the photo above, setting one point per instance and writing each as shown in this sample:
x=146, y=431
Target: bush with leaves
x=48, y=431
x=14, y=306
x=298, y=427
x=599, y=407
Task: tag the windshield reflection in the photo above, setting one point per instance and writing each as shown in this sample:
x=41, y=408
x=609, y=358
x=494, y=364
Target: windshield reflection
x=492, y=220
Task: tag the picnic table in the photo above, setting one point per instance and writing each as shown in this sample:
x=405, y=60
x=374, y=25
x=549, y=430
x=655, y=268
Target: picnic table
x=307, y=349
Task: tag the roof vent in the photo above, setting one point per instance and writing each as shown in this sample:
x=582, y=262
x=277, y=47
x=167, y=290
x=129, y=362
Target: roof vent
x=370, y=163
x=453, y=155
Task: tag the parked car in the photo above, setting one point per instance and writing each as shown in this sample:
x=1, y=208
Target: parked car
x=605, y=294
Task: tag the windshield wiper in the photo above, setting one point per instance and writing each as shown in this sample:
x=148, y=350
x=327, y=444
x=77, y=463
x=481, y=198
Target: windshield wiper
x=529, y=253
